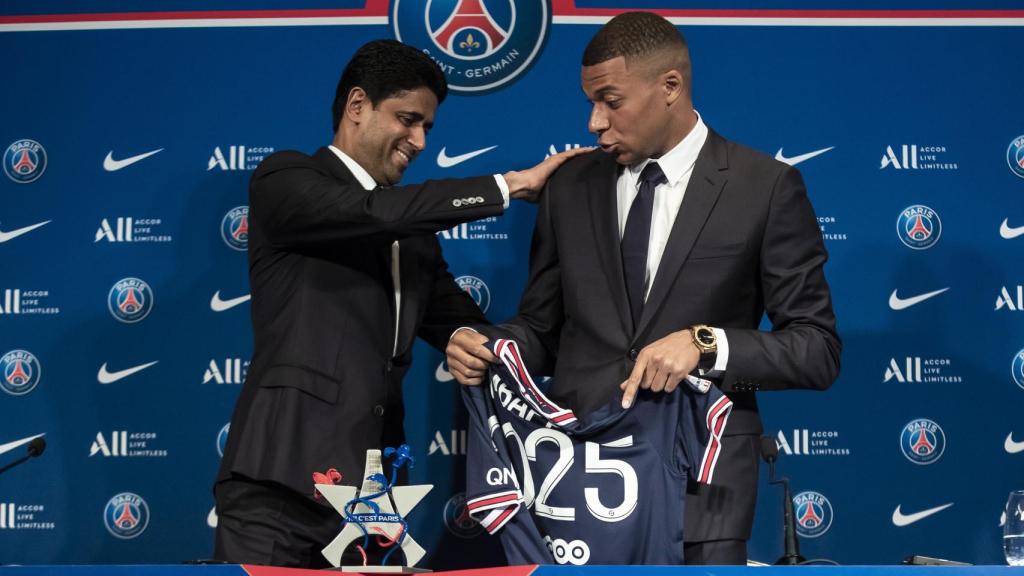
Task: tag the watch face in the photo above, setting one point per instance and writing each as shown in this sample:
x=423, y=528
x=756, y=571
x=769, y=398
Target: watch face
x=706, y=337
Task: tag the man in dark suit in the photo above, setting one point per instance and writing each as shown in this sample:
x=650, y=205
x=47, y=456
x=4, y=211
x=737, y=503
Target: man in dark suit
x=346, y=271
x=653, y=261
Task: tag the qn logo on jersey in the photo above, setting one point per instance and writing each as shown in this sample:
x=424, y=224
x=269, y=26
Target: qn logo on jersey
x=455, y=444
x=479, y=44
x=234, y=228
x=477, y=289
x=1015, y=156
x=922, y=441
x=919, y=227
x=231, y=371
x=130, y=300
x=222, y=439
x=1010, y=299
x=813, y=514
x=126, y=515
x=118, y=445
x=1017, y=368
x=21, y=372
x=25, y=161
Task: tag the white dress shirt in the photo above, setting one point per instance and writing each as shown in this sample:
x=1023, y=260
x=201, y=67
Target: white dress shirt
x=677, y=164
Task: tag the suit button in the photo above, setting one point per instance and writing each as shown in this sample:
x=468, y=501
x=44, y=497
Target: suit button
x=378, y=410
x=633, y=353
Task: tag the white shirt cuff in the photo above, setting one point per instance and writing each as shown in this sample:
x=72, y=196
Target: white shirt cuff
x=457, y=330
x=503, y=186
x=722, y=356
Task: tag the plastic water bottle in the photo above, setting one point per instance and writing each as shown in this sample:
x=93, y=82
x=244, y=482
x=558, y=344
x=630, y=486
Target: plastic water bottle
x=1013, y=547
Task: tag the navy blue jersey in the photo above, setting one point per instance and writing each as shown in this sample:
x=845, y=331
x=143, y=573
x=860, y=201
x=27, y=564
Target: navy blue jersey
x=605, y=489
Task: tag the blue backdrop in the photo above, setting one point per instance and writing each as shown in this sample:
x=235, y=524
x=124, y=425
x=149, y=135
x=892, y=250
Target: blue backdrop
x=130, y=133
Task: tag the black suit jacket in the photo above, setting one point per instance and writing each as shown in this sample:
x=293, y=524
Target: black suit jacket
x=745, y=242
x=323, y=385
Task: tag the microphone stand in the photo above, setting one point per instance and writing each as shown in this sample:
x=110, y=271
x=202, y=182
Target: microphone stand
x=770, y=452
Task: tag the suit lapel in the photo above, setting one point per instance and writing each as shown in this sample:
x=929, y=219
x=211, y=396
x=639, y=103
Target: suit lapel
x=710, y=174
x=408, y=264
x=604, y=212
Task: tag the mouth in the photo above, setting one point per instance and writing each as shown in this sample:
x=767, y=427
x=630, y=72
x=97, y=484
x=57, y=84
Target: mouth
x=609, y=148
x=404, y=157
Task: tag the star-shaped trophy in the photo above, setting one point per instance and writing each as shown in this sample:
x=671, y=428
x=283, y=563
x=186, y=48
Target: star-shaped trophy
x=378, y=509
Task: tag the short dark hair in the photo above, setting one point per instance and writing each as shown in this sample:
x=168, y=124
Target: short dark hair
x=384, y=68
x=638, y=35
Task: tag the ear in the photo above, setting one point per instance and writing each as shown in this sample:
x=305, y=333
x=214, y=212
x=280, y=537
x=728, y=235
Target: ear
x=673, y=86
x=356, y=104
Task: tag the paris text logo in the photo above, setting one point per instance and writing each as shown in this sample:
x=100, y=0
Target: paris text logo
x=922, y=441
x=126, y=515
x=919, y=227
x=130, y=300
x=25, y=161
x=21, y=372
x=813, y=514
x=477, y=289
x=234, y=228
x=480, y=45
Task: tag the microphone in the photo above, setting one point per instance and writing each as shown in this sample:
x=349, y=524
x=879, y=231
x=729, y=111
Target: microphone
x=35, y=448
x=770, y=453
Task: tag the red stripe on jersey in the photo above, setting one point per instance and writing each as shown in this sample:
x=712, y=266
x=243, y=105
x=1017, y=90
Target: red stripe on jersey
x=500, y=520
x=486, y=502
x=717, y=416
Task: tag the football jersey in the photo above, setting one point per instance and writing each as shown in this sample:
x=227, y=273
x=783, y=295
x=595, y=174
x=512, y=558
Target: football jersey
x=608, y=488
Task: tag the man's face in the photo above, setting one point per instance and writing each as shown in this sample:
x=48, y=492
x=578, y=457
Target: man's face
x=629, y=115
x=392, y=134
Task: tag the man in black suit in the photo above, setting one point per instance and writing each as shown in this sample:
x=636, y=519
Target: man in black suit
x=653, y=261
x=346, y=271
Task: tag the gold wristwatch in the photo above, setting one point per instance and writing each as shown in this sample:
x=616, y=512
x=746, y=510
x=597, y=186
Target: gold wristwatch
x=705, y=339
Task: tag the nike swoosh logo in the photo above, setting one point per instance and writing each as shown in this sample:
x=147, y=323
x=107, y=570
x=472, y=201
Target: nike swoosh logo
x=1012, y=447
x=4, y=448
x=111, y=165
x=211, y=518
x=5, y=236
x=794, y=160
x=446, y=161
x=901, y=519
x=1010, y=233
x=897, y=303
x=105, y=377
x=218, y=305
x=443, y=375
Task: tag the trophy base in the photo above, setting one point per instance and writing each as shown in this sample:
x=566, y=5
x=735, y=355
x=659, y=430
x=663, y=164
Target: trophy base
x=379, y=569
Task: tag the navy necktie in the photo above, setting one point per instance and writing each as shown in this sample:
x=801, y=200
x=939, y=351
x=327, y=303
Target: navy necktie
x=636, y=238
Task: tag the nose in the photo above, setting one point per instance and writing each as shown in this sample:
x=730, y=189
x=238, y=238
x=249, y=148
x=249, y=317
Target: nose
x=418, y=138
x=598, y=121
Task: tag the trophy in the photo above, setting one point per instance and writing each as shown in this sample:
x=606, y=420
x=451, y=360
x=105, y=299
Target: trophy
x=377, y=510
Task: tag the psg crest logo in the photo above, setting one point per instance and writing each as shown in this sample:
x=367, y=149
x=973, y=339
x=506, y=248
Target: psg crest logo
x=1018, y=368
x=922, y=441
x=234, y=228
x=919, y=227
x=477, y=289
x=1015, y=156
x=126, y=515
x=222, y=439
x=457, y=519
x=21, y=372
x=479, y=44
x=25, y=161
x=130, y=300
x=813, y=514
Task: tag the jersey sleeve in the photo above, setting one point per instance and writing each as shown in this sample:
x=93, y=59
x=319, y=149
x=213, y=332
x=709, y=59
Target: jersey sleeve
x=492, y=493
x=702, y=421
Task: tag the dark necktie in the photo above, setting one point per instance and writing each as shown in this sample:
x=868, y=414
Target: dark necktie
x=636, y=238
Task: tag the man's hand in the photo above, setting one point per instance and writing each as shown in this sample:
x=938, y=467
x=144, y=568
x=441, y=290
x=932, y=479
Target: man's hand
x=468, y=357
x=527, y=184
x=661, y=366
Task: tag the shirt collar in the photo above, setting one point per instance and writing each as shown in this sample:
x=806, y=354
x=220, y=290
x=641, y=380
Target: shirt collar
x=358, y=171
x=680, y=159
